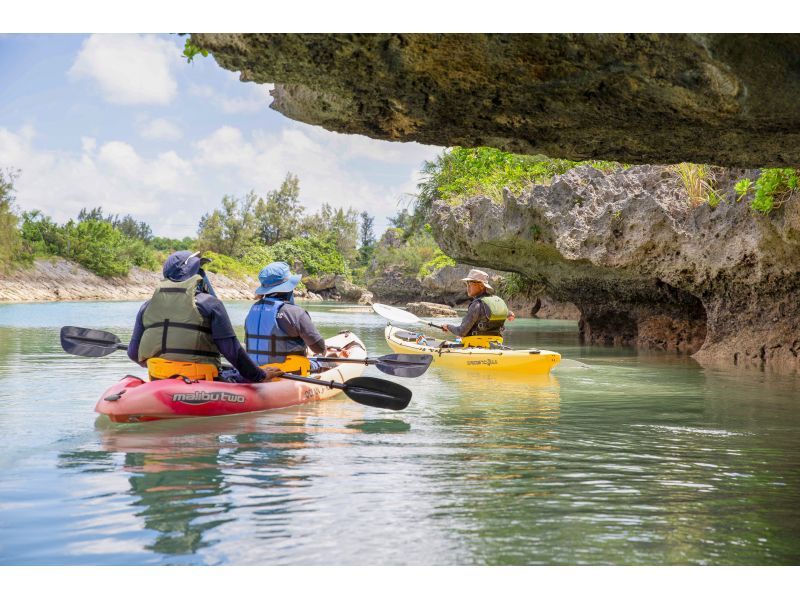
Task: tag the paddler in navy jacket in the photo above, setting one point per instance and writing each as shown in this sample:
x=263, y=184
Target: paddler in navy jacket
x=276, y=328
x=186, y=323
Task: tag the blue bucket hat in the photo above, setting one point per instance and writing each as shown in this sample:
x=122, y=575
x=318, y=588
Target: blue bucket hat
x=277, y=278
x=182, y=265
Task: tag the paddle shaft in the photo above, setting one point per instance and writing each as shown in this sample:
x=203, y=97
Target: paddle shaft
x=329, y=383
x=365, y=361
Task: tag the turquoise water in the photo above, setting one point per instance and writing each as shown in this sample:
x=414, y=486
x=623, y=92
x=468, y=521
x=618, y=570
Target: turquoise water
x=642, y=459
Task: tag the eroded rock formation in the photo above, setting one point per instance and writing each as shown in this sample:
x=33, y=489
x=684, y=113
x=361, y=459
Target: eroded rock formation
x=644, y=267
x=728, y=99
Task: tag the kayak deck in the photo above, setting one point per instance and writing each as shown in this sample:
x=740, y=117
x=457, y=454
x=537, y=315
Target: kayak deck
x=134, y=400
x=527, y=361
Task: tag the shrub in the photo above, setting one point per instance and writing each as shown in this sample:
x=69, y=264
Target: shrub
x=774, y=187
x=226, y=265
x=314, y=254
x=465, y=172
x=437, y=262
x=410, y=255
x=98, y=246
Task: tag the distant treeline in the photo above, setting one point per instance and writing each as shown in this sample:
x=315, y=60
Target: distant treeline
x=243, y=234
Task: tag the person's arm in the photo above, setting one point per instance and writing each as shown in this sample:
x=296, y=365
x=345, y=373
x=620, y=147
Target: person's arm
x=136, y=337
x=310, y=335
x=225, y=338
x=233, y=351
x=468, y=322
x=295, y=321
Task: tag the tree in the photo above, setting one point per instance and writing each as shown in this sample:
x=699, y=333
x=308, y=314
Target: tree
x=337, y=225
x=41, y=235
x=128, y=225
x=97, y=245
x=10, y=240
x=135, y=229
x=367, y=238
x=230, y=229
x=94, y=214
x=401, y=220
x=278, y=217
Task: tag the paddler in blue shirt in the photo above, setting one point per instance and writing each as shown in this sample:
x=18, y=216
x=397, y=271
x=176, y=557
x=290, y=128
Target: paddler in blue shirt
x=278, y=332
x=184, y=329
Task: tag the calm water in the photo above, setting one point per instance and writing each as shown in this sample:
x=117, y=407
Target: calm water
x=642, y=459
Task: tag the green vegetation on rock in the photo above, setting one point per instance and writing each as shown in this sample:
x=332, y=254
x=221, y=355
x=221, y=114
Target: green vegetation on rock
x=407, y=254
x=699, y=183
x=773, y=188
x=467, y=172
x=437, y=262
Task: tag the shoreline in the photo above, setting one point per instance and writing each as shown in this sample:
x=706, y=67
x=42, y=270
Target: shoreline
x=53, y=280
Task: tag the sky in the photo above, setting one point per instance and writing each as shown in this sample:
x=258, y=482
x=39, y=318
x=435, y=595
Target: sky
x=122, y=121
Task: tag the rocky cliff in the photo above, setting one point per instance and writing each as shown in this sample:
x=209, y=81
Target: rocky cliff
x=728, y=99
x=643, y=265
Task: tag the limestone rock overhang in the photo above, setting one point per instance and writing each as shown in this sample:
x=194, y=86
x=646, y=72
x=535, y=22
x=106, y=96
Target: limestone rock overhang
x=725, y=99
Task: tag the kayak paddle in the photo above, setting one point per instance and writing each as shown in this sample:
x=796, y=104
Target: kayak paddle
x=395, y=364
x=98, y=343
x=89, y=343
x=395, y=314
x=372, y=392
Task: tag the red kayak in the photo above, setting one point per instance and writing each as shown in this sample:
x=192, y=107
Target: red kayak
x=134, y=400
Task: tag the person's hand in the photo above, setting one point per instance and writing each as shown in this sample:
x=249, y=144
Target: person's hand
x=271, y=372
x=511, y=316
x=445, y=328
x=334, y=352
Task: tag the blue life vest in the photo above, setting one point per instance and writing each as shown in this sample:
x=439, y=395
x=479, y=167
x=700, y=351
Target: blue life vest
x=264, y=341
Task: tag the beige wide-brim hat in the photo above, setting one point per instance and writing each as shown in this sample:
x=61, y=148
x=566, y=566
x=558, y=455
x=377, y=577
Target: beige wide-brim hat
x=478, y=276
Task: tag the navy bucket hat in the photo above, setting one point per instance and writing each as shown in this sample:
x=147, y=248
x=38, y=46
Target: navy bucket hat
x=182, y=265
x=277, y=278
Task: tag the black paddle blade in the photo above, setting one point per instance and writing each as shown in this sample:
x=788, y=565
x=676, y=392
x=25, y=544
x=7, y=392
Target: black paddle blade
x=374, y=392
x=404, y=365
x=88, y=343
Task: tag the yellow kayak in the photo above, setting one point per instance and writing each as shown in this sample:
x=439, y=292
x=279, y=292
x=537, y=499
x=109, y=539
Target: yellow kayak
x=527, y=361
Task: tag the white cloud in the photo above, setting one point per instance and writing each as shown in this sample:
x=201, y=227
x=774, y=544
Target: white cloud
x=254, y=98
x=130, y=69
x=88, y=144
x=320, y=158
x=160, y=128
x=162, y=190
x=173, y=189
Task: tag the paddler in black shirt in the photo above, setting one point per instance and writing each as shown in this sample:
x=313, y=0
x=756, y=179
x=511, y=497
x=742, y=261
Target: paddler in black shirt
x=486, y=314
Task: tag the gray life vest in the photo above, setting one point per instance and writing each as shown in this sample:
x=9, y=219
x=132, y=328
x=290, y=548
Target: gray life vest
x=174, y=328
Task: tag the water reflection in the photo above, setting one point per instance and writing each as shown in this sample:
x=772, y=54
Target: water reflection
x=181, y=473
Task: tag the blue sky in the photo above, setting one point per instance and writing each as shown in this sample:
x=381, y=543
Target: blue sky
x=123, y=122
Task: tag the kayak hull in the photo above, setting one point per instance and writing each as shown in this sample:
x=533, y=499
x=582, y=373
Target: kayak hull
x=532, y=362
x=134, y=400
